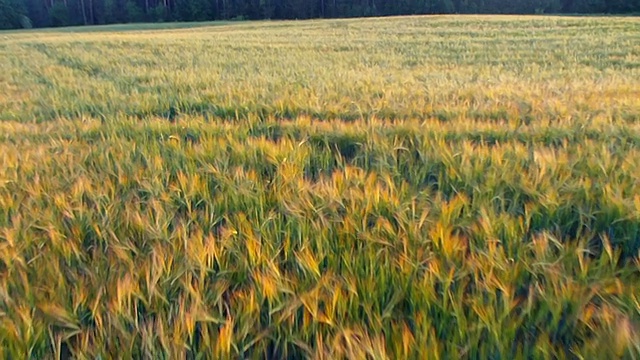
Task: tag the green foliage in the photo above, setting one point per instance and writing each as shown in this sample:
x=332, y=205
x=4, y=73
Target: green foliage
x=59, y=15
x=134, y=12
x=12, y=14
x=402, y=188
x=190, y=10
x=159, y=13
x=25, y=22
x=444, y=7
x=112, y=12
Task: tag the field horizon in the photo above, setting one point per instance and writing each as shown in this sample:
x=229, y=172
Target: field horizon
x=176, y=25
x=439, y=187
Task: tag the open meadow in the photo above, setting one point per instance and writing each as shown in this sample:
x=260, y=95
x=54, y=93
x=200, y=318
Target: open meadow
x=443, y=187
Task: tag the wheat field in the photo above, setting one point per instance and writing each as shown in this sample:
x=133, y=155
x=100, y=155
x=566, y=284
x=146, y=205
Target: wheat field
x=446, y=187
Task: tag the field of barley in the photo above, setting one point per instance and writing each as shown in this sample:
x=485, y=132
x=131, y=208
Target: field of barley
x=447, y=187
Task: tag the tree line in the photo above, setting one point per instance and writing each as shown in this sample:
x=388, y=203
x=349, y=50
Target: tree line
x=52, y=13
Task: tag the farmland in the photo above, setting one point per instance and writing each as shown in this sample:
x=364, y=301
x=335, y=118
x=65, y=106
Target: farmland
x=399, y=188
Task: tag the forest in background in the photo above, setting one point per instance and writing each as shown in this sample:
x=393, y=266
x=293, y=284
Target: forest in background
x=15, y=14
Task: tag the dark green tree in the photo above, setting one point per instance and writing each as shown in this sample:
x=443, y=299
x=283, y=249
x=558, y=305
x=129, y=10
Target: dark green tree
x=12, y=14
